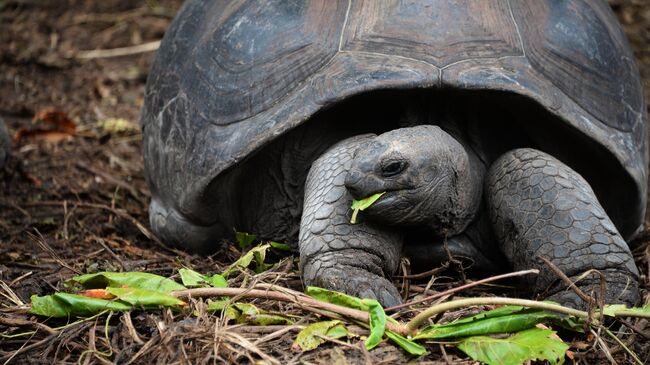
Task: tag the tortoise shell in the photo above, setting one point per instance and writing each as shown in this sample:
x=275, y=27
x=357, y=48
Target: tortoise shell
x=231, y=76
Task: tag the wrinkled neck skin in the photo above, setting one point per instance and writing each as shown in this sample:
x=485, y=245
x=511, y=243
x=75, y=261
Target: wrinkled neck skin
x=431, y=179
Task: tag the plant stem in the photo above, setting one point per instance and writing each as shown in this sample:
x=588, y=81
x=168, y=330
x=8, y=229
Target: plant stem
x=463, y=287
x=302, y=300
x=415, y=323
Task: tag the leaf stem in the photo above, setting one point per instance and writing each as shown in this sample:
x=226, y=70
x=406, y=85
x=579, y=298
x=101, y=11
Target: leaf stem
x=415, y=323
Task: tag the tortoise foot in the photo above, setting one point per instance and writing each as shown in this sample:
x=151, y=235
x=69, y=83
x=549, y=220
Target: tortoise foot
x=541, y=208
x=620, y=288
x=340, y=272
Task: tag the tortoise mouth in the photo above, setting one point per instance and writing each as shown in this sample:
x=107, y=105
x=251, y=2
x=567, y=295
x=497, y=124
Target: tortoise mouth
x=389, y=200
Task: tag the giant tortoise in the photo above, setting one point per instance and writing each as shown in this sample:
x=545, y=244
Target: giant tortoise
x=501, y=131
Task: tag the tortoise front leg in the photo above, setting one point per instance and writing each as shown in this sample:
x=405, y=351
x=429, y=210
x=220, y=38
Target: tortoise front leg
x=540, y=207
x=337, y=255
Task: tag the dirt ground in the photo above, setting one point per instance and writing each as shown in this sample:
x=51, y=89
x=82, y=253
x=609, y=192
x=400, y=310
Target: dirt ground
x=76, y=201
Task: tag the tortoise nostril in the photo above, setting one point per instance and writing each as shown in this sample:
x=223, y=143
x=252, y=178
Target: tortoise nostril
x=352, y=180
x=352, y=177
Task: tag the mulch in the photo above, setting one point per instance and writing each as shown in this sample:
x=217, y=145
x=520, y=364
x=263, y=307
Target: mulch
x=73, y=199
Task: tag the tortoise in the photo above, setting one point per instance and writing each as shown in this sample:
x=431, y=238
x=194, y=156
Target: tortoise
x=502, y=132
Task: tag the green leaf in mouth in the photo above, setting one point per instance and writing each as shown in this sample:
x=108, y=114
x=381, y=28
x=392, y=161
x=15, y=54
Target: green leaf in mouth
x=363, y=204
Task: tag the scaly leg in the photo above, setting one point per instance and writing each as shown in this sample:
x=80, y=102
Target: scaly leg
x=334, y=254
x=540, y=207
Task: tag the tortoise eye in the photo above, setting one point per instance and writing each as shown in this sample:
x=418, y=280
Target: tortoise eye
x=393, y=168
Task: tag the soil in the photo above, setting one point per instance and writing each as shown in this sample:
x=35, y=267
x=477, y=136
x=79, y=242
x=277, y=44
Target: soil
x=73, y=199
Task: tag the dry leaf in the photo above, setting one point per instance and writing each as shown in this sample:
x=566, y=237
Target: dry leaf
x=50, y=125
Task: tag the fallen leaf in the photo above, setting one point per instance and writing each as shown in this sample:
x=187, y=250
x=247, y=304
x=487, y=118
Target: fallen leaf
x=49, y=125
x=73, y=305
x=97, y=293
x=145, y=297
x=531, y=344
x=55, y=118
x=117, y=125
x=140, y=280
x=312, y=336
x=409, y=346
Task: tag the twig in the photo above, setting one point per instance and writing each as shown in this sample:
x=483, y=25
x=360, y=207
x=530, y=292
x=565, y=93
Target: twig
x=444, y=353
x=42, y=243
x=303, y=300
x=566, y=280
x=453, y=260
x=427, y=274
x=278, y=333
x=27, y=348
x=603, y=346
x=117, y=52
x=126, y=318
x=66, y=218
x=17, y=322
x=405, y=265
x=261, y=330
x=10, y=294
x=463, y=287
x=618, y=340
x=153, y=341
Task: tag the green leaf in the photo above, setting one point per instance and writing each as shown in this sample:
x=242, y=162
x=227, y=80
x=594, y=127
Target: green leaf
x=256, y=253
x=65, y=305
x=244, y=239
x=141, y=280
x=375, y=310
x=250, y=314
x=246, y=308
x=310, y=337
x=620, y=310
x=280, y=246
x=264, y=319
x=192, y=278
x=363, y=204
x=335, y=297
x=377, y=323
x=49, y=306
x=408, y=345
x=144, y=297
x=532, y=344
x=503, y=324
x=217, y=305
x=217, y=281
x=496, y=312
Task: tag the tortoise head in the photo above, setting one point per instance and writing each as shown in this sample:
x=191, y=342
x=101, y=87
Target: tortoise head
x=425, y=173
